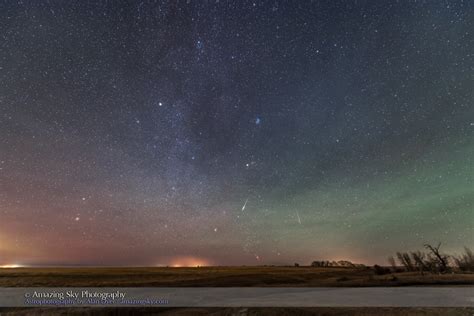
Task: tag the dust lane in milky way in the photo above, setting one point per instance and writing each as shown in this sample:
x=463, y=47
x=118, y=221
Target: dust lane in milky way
x=234, y=132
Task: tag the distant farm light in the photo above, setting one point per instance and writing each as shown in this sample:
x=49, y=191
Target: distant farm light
x=11, y=266
x=189, y=262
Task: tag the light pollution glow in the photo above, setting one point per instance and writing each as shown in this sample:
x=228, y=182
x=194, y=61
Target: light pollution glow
x=189, y=262
x=11, y=266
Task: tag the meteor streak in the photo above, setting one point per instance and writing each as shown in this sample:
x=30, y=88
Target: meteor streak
x=245, y=204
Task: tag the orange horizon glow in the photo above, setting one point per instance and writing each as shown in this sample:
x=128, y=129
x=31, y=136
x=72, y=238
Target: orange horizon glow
x=11, y=266
x=182, y=262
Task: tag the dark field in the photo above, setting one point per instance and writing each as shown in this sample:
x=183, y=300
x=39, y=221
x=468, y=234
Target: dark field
x=220, y=277
x=226, y=277
x=295, y=311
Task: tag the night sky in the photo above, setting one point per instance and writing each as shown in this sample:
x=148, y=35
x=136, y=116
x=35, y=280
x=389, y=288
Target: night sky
x=234, y=132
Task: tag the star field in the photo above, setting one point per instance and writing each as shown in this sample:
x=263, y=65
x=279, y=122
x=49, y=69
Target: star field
x=234, y=132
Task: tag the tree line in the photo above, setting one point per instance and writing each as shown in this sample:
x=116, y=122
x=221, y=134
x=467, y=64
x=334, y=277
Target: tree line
x=431, y=260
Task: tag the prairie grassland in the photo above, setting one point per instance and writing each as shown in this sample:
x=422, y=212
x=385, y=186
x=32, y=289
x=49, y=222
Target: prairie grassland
x=226, y=277
x=220, y=277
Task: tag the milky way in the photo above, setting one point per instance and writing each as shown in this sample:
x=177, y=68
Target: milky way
x=234, y=132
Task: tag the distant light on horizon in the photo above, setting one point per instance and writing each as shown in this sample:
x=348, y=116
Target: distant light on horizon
x=188, y=262
x=11, y=266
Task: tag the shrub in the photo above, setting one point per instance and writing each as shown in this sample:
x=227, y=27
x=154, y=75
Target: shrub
x=381, y=270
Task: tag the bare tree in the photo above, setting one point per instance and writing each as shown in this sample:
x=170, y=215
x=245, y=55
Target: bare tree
x=405, y=261
x=465, y=262
x=409, y=263
x=441, y=261
x=401, y=260
x=419, y=259
x=392, y=262
x=433, y=260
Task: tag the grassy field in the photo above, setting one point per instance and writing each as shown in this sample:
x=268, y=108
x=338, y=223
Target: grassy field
x=220, y=277
x=226, y=277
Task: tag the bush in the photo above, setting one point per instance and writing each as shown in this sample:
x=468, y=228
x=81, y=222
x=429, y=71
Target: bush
x=381, y=270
